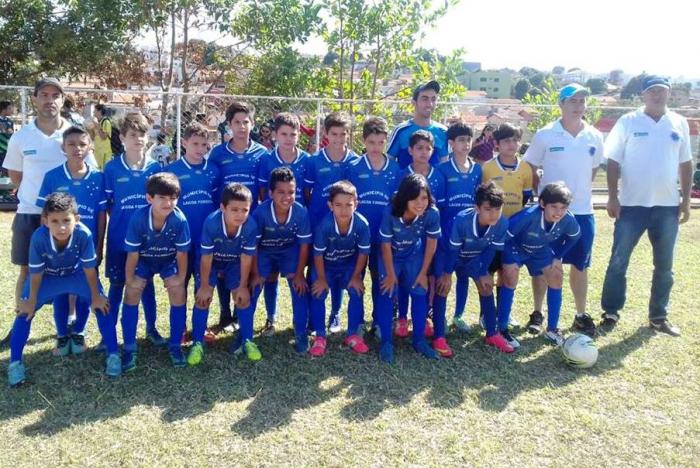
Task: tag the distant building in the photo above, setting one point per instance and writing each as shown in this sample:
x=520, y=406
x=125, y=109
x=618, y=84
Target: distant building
x=496, y=83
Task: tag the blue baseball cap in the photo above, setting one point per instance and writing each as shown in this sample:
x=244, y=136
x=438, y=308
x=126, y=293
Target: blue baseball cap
x=570, y=90
x=652, y=81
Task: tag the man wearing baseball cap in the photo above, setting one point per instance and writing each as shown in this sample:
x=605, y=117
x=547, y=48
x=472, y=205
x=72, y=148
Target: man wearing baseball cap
x=424, y=101
x=570, y=150
x=648, y=151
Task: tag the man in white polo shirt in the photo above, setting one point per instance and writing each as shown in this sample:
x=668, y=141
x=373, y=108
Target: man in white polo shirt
x=570, y=150
x=648, y=152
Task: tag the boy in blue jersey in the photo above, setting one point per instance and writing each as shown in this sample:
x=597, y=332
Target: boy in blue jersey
x=539, y=237
x=157, y=242
x=125, y=181
x=324, y=169
x=424, y=101
x=87, y=187
x=341, y=249
x=477, y=234
x=238, y=161
x=462, y=177
x=228, y=244
x=376, y=177
x=62, y=261
x=409, y=233
x=285, y=236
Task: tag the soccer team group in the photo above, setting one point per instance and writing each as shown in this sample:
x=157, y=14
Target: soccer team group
x=237, y=218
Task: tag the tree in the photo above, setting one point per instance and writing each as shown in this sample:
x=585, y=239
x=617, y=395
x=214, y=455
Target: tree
x=596, y=85
x=558, y=70
x=634, y=87
x=521, y=88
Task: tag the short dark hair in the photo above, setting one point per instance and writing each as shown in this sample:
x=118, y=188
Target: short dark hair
x=286, y=118
x=421, y=135
x=237, y=107
x=556, y=192
x=342, y=187
x=134, y=121
x=490, y=193
x=409, y=189
x=195, y=129
x=374, y=126
x=280, y=174
x=102, y=108
x=5, y=104
x=163, y=183
x=235, y=191
x=459, y=129
x=337, y=119
x=161, y=138
x=506, y=130
x=59, y=202
x=75, y=130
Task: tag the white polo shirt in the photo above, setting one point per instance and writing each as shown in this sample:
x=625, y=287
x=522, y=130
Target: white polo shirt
x=649, y=153
x=33, y=153
x=568, y=159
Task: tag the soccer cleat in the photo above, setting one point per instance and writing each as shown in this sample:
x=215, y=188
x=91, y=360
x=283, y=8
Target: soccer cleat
x=356, y=344
x=155, y=338
x=554, y=337
x=443, y=349
x=177, y=357
x=584, y=324
x=401, y=328
x=461, y=325
x=334, y=324
x=251, y=351
x=664, y=326
x=114, y=365
x=423, y=348
x=429, y=331
x=534, y=325
x=128, y=360
x=510, y=339
x=301, y=344
x=196, y=354
x=62, y=348
x=513, y=322
x=16, y=374
x=386, y=352
x=318, y=347
x=609, y=322
x=269, y=329
x=77, y=344
x=497, y=341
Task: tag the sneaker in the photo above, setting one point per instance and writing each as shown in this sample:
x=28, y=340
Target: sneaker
x=664, y=326
x=429, y=331
x=16, y=374
x=269, y=329
x=386, y=352
x=251, y=351
x=554, y=336
x=196, y=354
x=498, y=342
x=301, y=344
x=177, y=357
x=461, y=325
x=356, y=344
x=334, y=324
x=155, y=338
x=318, y=347
x=513, y=322
x=114, y=365
x=128, y=360
x=534, y=325
x=584, y=323
x=510, y=339
x=443, y=349
x=101, y=347
x=62, y=348
x=77, y=344
x=423, y=348
x=609, y=322
x=401, y=328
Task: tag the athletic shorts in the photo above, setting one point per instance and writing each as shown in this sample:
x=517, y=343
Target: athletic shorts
x=23, y=226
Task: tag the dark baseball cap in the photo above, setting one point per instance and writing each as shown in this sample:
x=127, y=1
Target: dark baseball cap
x=434, y=85
x=653, y=81
x=48, y=81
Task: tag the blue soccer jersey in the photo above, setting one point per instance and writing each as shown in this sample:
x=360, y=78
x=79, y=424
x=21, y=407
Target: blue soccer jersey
x=436, y=182
x=340, y=251
x=398, y=143
x=45, y=258
x=460, y=190
x=226, y=249
x=528, y=231
x=374, y=190
x=88, y=192
x=199, y=185
x=321, y=173
x=408, y=240
x=157, y=248
x=239, y=167
x=277, y=236
x=272, y=160
x=469, y=241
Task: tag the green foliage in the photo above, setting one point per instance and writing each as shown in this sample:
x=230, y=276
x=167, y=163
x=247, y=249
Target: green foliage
x=596, y=85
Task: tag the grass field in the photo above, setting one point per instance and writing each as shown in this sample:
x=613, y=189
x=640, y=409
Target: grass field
x=639, y=405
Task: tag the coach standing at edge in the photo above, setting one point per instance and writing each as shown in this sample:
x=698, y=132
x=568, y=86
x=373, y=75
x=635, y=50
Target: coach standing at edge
x=648, y=150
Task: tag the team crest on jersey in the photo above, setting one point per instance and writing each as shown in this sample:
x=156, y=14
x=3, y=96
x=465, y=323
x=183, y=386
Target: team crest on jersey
x=591, y=150
x=675, y=136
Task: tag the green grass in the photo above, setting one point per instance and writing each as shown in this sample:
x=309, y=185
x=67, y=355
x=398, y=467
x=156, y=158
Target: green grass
x=638, y=406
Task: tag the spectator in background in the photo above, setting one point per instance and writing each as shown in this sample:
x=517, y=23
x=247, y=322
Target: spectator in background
x=265, y=136
x=7, y=128
x=107, y=141
x=68, y=112
x=482, y=151
x=160, y=152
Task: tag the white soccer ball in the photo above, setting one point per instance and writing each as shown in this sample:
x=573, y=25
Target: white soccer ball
x=580, y=351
